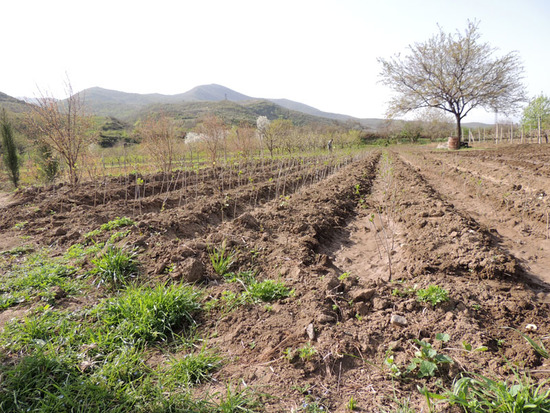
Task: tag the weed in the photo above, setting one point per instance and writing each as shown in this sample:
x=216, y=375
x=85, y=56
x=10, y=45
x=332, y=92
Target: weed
x=44, y=383
x=20, y=225
x=149, y=314
x=194, y=368
x=245, y=277
x=79, y=252
x=92, y=235
x=538, y=347
x=236, y=400
x=405, y=292
x=117, y=223
x=344, y=276
x=352, y=404
x=115, y=266
x=306, y=352
x=221, y=259
x=21, y=250
x=266, y=291
x=118, y=236
x=426, y=359
x=433, y=294
x=37, y=276
x=479, y=394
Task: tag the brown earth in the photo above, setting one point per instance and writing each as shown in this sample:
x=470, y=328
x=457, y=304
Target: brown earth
x=474, y=223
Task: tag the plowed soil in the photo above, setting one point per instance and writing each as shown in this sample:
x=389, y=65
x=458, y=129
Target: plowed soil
x=354, y=242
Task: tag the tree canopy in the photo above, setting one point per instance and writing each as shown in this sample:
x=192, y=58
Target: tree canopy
x=455, y=73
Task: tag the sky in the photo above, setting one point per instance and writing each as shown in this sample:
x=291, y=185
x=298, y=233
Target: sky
x=321, y=53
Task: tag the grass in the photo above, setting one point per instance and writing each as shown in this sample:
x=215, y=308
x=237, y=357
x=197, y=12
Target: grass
x=95, y=360
x=115, y=267
x=479, y=394
x=194, y=368
x=221, y=258
x=37, y=276
x=149, y=314
x=267, y=291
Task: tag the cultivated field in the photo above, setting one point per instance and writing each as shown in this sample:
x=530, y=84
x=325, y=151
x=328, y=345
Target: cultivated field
x=366, y=282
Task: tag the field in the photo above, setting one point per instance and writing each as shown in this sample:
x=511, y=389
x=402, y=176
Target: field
x=365, y=282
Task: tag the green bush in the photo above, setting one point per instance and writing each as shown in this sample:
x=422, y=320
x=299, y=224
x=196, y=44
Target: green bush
x=9, y=149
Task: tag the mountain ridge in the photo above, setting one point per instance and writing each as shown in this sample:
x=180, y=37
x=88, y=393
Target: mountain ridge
x=103, y=101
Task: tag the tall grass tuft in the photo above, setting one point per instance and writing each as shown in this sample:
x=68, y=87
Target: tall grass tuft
x=116, y=266
x=150, y=314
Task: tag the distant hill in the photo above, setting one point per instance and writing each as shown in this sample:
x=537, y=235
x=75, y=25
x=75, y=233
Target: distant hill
x=231, y=112
x=12, y=104
x=131, y=106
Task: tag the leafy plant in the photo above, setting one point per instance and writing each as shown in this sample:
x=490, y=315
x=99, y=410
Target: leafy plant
x=434, y=295
x=426, y=359
x=306, y=352
x=117, y=223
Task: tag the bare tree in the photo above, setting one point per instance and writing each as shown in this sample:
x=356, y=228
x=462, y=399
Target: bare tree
x=455, y=73
x=63, y=126
x=278, y=134
x=214, y=132
x=158, y=136
x=243, y=139
x=435, y=123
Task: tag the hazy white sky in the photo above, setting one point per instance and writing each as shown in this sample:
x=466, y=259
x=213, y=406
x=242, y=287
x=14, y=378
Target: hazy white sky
x=321, y=53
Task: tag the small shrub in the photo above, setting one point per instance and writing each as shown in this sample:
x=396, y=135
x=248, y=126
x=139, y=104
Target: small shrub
x=433, y=295
x=11, y=157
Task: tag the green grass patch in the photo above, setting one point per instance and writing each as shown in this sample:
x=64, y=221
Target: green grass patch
x=115, y=267
x=267, y=291
x=149, y=314
x=194, y=368
x=117, y=223
x=221, y=258
x=95, y=360
x=37, y=276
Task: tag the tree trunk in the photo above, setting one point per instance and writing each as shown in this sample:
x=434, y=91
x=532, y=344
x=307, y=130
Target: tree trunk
x=458, y=129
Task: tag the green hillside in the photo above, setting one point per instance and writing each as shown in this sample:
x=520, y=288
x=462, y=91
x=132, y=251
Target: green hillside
x=231, y=112
x=12, y=104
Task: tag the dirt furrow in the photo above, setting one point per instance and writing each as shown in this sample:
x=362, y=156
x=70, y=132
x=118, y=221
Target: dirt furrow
x=517, y=224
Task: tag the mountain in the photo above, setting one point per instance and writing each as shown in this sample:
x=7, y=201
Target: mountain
x=12, y=104
x=212, y=93
x=130, y=106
